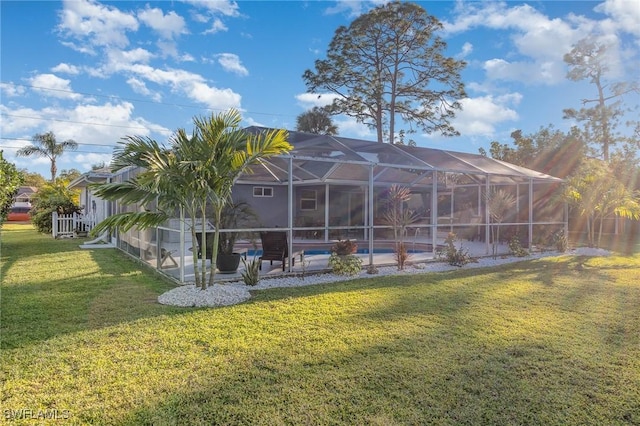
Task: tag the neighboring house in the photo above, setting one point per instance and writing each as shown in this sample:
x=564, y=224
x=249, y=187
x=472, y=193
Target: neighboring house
x=19, y=210
x=94, y=209
x=330, y=187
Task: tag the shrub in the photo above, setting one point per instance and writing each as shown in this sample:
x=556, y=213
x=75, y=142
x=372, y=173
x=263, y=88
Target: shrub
x=453, y=256
x=372, y=270
x=344, y=247
x=251, y=273
x=345, y=264
x=52, y=197
x=401, y=255
x=560, y=241
x=516, y=247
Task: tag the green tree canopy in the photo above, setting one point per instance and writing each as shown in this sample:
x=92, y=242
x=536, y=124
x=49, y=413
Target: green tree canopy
x=389, y=63
x=10, y=180
x=596, y=193
x=35, y=180
x=318, y=121
x=548, y=150
x=53, y=197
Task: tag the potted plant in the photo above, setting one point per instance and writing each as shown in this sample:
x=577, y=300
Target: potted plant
x=235, y=215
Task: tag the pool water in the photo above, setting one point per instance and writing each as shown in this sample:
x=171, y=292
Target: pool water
x=311, y=252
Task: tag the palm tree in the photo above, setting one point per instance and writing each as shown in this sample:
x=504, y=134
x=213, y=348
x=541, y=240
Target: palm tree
x=197, y=171
x=596, y=193
x=499, y=202
x=45, y=145
x=317, y=120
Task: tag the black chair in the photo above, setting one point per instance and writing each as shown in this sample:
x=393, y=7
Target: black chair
x=276, y=247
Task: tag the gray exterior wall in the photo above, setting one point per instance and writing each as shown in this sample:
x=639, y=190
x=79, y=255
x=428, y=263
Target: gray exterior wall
x=272, y=211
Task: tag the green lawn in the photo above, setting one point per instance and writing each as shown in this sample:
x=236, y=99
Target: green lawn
x=553, y=341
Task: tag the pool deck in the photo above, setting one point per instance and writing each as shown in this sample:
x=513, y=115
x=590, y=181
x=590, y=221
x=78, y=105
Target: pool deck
x=314, y=262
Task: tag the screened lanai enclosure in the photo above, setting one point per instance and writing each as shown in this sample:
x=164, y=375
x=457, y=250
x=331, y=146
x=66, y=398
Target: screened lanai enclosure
x=331, y=188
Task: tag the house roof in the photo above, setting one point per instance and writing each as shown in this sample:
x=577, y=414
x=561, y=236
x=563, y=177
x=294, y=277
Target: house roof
x=26, y=191
x=93, y=176
x=323, y=158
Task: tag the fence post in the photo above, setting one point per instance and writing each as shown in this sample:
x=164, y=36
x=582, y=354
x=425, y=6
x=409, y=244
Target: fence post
x=54, y=224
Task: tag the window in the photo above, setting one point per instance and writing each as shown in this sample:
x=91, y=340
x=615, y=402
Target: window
x=262, y=191
x=308, y=199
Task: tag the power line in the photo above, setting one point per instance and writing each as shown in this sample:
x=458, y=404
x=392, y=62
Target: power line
x=138, y=100
x=73, y=122
x=67, y=152
x=79, y=143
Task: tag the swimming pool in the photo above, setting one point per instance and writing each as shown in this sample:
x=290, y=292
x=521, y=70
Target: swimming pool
x=312, y=251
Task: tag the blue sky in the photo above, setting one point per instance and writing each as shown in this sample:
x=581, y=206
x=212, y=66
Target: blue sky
x=95, y=71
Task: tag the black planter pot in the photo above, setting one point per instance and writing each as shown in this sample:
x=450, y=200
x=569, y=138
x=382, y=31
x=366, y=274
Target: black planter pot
x=228, y=263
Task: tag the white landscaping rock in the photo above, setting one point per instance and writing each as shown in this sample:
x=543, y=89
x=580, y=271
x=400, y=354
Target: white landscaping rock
x=237, y=292
x=216, y=295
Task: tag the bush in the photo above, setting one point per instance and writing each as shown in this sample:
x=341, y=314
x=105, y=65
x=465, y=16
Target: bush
x=53, y=197
x=345, y=264
x=344, y=247
x=372, y=270
x=516, y=247
x=453, y=256
x=560, y=241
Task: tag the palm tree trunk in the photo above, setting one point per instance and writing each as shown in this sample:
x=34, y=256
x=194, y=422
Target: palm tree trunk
x=216, y=239
x=203, y=249
x=194, y=250
x=600, y=232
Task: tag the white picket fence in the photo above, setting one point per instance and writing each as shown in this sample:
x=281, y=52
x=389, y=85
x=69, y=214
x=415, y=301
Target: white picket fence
x=69, y=225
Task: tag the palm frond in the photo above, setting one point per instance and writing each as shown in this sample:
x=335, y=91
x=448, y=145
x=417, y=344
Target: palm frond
x=128, y=220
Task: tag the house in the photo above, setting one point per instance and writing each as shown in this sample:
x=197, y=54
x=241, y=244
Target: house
x=94, y=209
x=330, y=187
x=19, y=210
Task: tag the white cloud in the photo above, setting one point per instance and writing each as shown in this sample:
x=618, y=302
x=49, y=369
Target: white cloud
x=350, y=128
x=625, y=13
x=169, y=48
x=118, y=60
x=231, y=62
x=87, y=50
x=140, y=87
x=12, y=90
x=543, y=72
x=310, y=100
x=216, y=27
x=96, y=24
x=467, y=48
x=53, y=86
x=87, y=124
x=66, y=69
x=214, y=98
x=353, y=8
x=19, y=121
x=222, y=7
x=192, y=85
x=168, y=26
x=84, y=162
x=539, y=42
x=251, y=122
x=350, y=8
x=479, y=116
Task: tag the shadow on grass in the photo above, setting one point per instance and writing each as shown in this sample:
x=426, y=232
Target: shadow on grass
x=67, y=289
x=429, y=377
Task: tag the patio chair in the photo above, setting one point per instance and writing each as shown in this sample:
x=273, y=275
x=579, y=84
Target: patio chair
x=276, y=247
